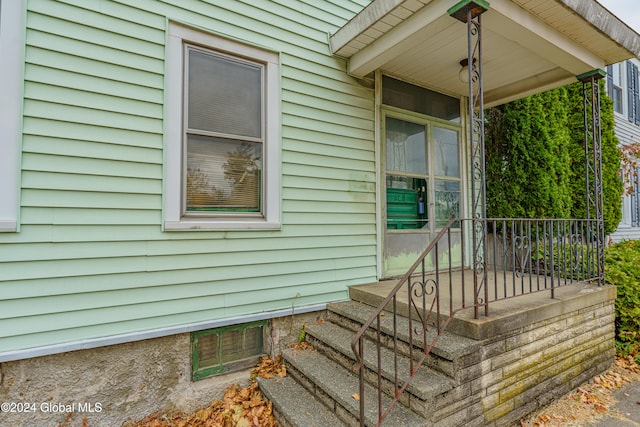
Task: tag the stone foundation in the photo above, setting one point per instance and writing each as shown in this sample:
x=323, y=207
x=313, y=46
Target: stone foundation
x=285, y=331
x=522, y=370
x=531, y=369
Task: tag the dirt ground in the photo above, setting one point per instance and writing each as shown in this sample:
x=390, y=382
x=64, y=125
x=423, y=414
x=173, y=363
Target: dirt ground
x=590, y=402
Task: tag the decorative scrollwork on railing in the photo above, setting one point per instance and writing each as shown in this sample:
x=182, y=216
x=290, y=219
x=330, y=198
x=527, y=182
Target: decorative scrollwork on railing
x=422, y=289
x=577, y=254
x=522, y=249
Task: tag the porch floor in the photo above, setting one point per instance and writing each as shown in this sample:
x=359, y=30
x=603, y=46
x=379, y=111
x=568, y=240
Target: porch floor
x=510, y=306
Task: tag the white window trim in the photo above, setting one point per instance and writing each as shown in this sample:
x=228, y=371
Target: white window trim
x=174, y=136
x=12, y=37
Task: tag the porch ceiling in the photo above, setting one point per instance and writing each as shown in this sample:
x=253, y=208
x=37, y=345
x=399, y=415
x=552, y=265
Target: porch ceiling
x=528, y=45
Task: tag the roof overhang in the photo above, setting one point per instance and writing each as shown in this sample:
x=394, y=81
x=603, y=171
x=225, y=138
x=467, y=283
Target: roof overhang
x=528, y=45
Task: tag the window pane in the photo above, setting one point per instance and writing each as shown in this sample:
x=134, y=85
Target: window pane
x=616, y=74
x=617, y=99
x=224, y=96
x=223, y=174
x=447, y=200
x=445, y=143
x=406, y=203
x=415, y=98
x=406, y=149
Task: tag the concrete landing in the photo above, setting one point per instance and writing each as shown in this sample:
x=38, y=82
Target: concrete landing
x=516, y=310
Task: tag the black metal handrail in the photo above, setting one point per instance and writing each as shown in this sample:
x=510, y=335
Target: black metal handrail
x=357, y=344
x=521, y=256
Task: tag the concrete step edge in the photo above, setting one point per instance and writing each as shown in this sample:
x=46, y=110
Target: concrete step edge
x=295, y=406
x=449, y=346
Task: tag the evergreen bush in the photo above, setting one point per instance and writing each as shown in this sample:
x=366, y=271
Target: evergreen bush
x=527, y=158
x=535, y=158
x=622, y=269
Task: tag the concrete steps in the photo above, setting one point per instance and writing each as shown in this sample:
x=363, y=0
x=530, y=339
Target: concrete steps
x=323, y=381
x=449, y=352
x=335, y=385
x=294, y=406
x=334, y=342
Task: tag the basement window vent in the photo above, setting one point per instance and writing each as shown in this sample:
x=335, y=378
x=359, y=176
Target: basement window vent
x=228, y=349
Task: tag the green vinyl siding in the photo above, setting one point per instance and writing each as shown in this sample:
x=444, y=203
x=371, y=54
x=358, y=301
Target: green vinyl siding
x=91, y=259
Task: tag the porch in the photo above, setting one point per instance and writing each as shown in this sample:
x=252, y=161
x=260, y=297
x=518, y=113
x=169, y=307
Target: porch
x=507, y=281
x=489, y=371
x=506, y=314
x=448, y=344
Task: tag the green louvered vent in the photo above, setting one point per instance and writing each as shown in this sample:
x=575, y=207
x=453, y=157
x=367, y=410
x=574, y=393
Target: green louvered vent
x=222, y=350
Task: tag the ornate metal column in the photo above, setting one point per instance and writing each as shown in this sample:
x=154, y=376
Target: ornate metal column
x=593, y=170
x=469, y=12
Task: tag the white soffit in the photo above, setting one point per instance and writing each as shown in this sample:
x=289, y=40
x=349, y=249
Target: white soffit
x=528, y=45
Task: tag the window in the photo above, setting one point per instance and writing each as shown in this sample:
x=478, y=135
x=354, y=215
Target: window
x=222, y=148
x=419, y=99
x=614, y=82
x=12, y=29
x=222, y=350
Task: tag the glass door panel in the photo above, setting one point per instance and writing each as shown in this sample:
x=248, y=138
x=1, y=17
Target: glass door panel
x=406, y=186
x=406, y=149
x=447, y=202
x=406, y=176
x=406, y=203
x=445, y=152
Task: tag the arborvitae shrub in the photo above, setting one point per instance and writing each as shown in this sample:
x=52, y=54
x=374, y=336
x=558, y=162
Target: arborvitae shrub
x=527, y=158
x=535, y=159
x=622, y=269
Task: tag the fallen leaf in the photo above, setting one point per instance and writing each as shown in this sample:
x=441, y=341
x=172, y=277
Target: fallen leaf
x=355, y=396
x=303, y=346
x=600, y=407
x=239, y=407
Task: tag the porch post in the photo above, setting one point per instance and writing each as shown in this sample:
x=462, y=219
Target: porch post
x=593, y=170
x=469, y=12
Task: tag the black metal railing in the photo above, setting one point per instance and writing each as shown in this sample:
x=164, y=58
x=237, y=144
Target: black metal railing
x=531, y=255
x=523, y=256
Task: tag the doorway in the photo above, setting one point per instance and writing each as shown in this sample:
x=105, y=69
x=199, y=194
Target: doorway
x=422, y=175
